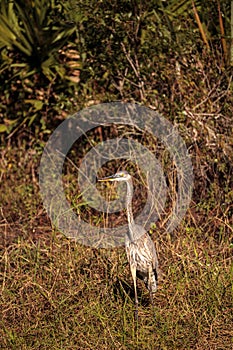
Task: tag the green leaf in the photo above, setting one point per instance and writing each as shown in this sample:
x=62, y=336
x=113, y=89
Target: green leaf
x=3, y=128
x=37, y=104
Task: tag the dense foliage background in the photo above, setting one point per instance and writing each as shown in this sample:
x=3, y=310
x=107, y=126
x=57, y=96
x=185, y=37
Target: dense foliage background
x=57, y=57
x=60, y=55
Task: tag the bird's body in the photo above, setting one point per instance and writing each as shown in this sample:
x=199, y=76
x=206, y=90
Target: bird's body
x=141, y=252
x=140, y=248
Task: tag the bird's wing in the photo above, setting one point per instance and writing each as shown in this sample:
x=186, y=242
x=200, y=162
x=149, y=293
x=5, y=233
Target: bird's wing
x=150, y=248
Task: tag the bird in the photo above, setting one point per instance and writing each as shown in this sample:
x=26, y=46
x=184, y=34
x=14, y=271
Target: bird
x=140, y=249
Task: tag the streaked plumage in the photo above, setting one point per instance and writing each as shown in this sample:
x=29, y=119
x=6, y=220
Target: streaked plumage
x=142, y=253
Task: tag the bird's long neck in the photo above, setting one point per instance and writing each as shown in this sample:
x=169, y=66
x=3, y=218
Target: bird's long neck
x=129, y=196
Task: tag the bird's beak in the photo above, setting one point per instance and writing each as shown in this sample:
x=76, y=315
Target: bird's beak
x=108, y=178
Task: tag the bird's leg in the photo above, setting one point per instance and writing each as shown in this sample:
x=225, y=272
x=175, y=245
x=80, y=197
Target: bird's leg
x=151, y=298
x=150, y=271
x=150, y=285
x=133, y=272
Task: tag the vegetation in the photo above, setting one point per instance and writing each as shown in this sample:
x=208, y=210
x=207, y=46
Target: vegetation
x=57, y=57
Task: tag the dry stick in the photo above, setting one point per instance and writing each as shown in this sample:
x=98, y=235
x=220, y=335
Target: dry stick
x=223, y=40
x=120, y=87
x=136, y=72
x=200, y=26
x=141, y=82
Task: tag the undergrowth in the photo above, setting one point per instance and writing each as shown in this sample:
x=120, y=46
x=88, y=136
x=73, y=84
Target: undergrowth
x=57, y=294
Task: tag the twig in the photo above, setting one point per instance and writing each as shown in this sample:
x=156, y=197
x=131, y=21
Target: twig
x=136, y=70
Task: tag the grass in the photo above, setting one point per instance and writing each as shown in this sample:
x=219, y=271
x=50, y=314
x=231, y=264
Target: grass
x=56, y=294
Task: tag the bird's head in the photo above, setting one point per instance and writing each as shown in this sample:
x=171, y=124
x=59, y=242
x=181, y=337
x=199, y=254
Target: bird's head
x=119, y=176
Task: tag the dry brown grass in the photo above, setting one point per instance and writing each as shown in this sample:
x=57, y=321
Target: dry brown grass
x=56, y=294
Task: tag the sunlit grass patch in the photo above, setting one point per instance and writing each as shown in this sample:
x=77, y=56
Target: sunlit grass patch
x=57, y=294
